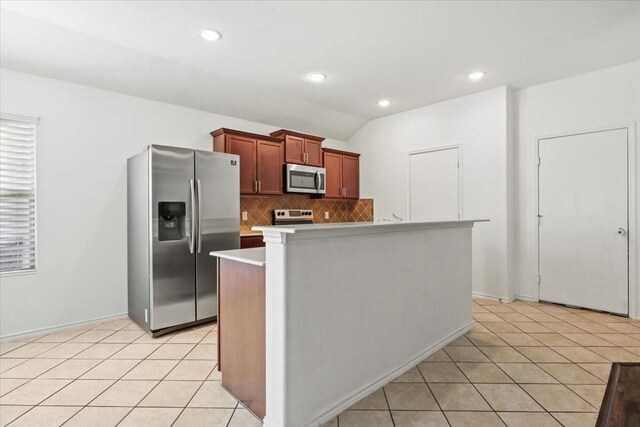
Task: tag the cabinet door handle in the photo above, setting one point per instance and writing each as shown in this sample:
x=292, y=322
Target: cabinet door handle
x=259, y=186
x=255, y=186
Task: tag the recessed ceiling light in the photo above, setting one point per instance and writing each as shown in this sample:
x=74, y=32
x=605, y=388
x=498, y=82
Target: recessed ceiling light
x=317, y=77
x=210, y=35
x=384, y=103
x=476, y=75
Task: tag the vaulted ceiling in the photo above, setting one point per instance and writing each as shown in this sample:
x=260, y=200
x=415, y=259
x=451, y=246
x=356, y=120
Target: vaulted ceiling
x=413, y=53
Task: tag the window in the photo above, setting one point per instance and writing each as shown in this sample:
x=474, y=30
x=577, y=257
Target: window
x=17, y=195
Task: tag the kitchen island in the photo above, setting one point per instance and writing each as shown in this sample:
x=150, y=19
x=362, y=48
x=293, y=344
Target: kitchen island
x=349, y=307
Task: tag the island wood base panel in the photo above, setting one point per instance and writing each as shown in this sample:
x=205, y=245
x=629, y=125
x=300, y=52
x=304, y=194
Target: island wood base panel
x=241, y=332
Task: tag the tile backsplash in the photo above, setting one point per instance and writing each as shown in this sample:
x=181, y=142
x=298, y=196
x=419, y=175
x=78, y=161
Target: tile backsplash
x=259, y=208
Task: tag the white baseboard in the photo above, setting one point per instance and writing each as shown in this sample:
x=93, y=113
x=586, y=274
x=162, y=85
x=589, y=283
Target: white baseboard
x=339, y=407
x=493, y=297
x=60, y=328
x=526, y=298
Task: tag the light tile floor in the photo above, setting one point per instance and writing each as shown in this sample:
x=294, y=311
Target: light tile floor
x=523, y=364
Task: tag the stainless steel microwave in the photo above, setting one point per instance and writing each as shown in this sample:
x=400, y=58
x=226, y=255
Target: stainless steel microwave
x=305, y=179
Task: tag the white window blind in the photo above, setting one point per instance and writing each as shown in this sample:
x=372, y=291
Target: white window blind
x=17, y=194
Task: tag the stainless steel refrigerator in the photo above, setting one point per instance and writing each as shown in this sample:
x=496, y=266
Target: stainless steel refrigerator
x=182, y=204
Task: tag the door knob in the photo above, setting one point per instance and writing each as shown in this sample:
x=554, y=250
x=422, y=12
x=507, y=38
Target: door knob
x=622, y=231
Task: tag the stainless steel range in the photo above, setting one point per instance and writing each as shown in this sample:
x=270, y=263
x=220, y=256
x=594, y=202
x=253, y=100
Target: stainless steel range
x=292, y=216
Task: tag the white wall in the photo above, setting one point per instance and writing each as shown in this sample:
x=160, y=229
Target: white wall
x=479, y=124
x=83, y=140
x=596, y=100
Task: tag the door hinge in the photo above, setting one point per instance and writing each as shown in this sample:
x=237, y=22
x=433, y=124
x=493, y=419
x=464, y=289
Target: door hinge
x=539, y=219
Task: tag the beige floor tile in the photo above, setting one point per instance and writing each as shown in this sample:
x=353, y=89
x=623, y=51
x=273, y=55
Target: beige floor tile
x=413, y=375
x=562, y=328
x=514, y=318
x=171, y=394
x=576, y=419
x=62, y=336
x=136, y=351
x=148, y=339
x=124, y=337
x=203, y=352
x=529, y=327
x=331, y=423
x=244, y=418
x=50, y=416
x=187, y=337
x=442, y=372
x=519, y=339
x=70, y=369
x=8, y=384
x=542, y=317
x=78, y=393
x=151, y=370
x=486, y=317
x=461, y=341
x=210, y=338
x=600, y=370
x=212, y=395
x=113, y=325
x=614, y=354
x=64, y=350
x=501, y=327
x=466, y=354
x=621, y=340
x=484, y=373
x=150, y=417
x=528, y=419
x=594, y=328
x=503, y=354
x=214, y=417
x=553, y=339
x=410, y=396
x=110, y=370
x=419, y=419
x=557, y=398
x=569, y=317
x=91, y=336
x=624, y=327
x=33, y=392
x=542, y=355
x=591, y=393
x=438, y=356
x=458, y=397
x=172, y=351
x=7, y=347
x=365, y=419
x=97, y=417
x=580, y=354
x=500, y=308
x=125, y=393
x=634, y=350
x=31, y=368
x=215, y=375
x=10, y=413
x=133, y=327
x=486, y=340
x=478, y=328
x=507, y=397
x=588, y=340
x=29, y=350
x=192, y=370
x=570, y=373
x=7, y=364
x=100, y=351
x=526, y=373
x=475, y=419
x=375, y=400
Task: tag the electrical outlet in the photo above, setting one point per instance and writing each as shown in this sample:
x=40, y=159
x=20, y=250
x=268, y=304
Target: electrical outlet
x=326, y=215
x=245, y=215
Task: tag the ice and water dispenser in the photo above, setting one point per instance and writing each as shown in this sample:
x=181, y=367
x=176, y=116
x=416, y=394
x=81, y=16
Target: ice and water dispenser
x=171, y=221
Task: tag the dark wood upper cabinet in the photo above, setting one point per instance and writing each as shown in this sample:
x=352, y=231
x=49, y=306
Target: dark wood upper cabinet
x=300, y=148
x=343, y=174
x=261, y=159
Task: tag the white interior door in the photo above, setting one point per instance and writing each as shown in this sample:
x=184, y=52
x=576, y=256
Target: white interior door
x=583, y=224
x=434, y=193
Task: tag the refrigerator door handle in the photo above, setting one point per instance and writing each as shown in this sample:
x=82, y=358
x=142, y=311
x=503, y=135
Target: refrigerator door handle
x=192, y=236
x=199, y=192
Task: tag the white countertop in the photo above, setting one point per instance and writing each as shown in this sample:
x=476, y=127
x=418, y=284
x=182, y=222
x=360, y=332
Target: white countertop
x=357, y=227
x=254, y=256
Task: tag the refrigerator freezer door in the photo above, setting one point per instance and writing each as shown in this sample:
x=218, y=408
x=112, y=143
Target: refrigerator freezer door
x=218, y=179
x=173, y=266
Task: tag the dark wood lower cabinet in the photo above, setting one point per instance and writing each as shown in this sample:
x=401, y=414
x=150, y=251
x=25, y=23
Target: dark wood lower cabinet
x=241, y=332
x=621, y=403
x=247, y=242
